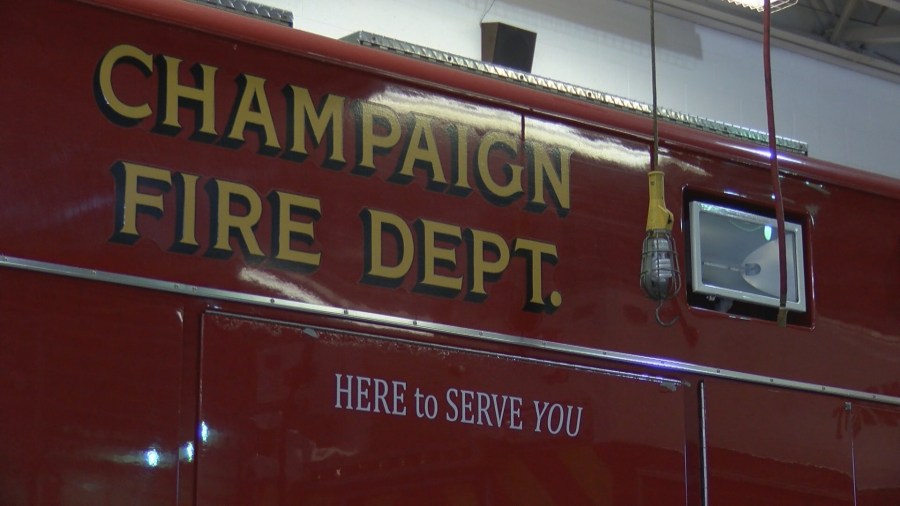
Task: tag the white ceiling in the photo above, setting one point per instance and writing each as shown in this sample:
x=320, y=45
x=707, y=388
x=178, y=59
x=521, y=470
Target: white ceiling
x=860, y=34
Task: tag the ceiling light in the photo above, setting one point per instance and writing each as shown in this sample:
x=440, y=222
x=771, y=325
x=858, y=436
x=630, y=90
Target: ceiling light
x=758, y=5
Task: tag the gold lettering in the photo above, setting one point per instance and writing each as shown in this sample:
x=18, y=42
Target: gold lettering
x=434, y=255
x=375, y=225
x=428, y=153
x=185, y=233
x=499, y=193
x=370, y=141
x=111, y=105
x=223, y=194
x=253, y=109
x=544, y=170
x=174, y=93
x=480, y=268
x=536, y=253
x=460, y=159
x=130, y=199
x=302, y=112
x=286, y=228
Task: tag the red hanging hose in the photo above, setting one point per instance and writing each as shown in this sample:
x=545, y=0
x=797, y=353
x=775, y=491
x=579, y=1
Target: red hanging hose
x=773, y=157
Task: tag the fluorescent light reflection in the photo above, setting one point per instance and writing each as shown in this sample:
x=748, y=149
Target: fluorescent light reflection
x=273, y=282
x=187, y=452
x=204, y=432
x=151, y=457
x=603, y=150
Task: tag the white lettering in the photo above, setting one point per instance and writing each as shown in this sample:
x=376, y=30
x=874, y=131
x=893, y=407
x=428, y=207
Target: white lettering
x=370, y=394
x=556, y=417
x=342, y=392
x=482, y=408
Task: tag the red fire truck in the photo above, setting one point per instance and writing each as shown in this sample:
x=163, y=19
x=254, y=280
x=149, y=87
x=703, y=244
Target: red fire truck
x=245, y=265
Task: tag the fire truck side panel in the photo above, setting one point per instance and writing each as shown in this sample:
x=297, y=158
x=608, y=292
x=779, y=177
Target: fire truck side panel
x=238, y=260
x=391, y=220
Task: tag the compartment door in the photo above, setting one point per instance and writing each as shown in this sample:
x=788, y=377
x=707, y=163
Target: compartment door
x=302, y=415
x=772, y=446
x=876, y=438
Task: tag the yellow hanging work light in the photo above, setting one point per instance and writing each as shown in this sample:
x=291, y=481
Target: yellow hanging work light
x=660, y=278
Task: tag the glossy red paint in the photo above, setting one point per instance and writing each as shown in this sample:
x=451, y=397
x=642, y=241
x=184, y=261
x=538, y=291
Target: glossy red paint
x=91, y=390
x=330, y=417
x=755, y=437
x=110, y=387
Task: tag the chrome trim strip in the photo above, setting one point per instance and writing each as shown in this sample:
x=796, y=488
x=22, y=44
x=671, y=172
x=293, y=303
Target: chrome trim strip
x=573, y=91
x=704, y=462
x=497, y=337
x=671, y=384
